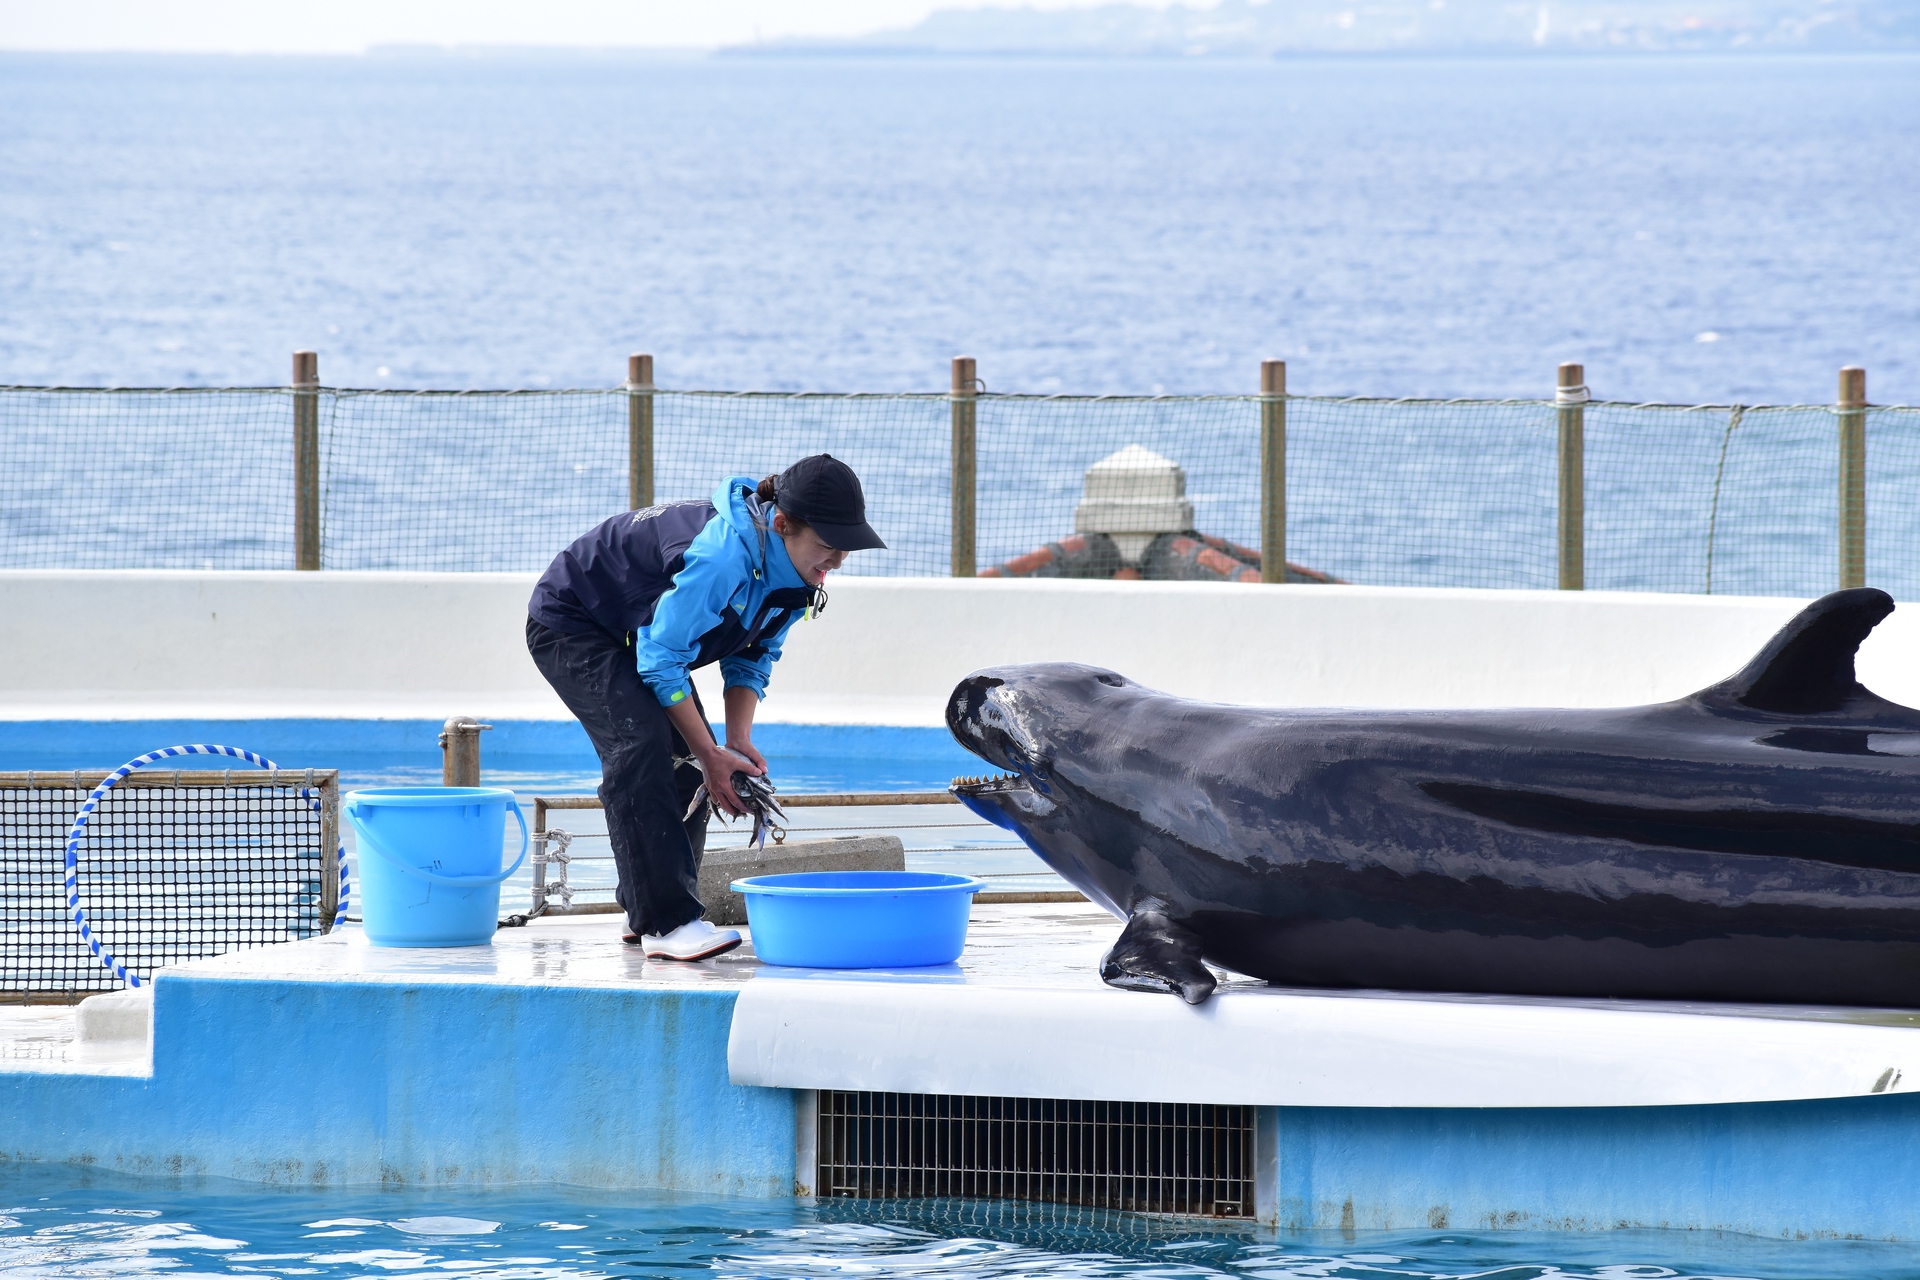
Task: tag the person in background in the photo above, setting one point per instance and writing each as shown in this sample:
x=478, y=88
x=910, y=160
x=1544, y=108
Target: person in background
x=624, y=614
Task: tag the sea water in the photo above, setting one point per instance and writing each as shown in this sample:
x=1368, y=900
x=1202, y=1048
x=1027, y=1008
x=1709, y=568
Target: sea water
x=1727, y=228
x=1692, y=228
x=64, y=1222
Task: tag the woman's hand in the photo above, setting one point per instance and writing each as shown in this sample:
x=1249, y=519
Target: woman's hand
x=716, y=761
x=720, y=764
x=742, y=745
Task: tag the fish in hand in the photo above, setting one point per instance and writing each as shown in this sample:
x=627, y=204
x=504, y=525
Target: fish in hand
x=757, y=794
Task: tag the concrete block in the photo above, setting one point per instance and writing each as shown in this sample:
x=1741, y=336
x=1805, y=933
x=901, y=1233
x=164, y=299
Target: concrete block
x=115, y=1017
x=721, y=867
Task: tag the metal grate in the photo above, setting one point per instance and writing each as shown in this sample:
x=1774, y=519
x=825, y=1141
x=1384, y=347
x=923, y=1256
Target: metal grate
x=1143, y=1157
x=173, y=866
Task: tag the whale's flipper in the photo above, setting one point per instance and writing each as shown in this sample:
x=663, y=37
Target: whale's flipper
x=1808, y=665
x=1157, y=953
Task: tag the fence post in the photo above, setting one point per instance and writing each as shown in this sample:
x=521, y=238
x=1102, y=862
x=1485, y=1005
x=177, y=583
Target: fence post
x=306, y=460
x=966, y=390
x=1852, y=412
x=460, y=751
x=1273, y=471
x=639, y=432
x=1570, y=394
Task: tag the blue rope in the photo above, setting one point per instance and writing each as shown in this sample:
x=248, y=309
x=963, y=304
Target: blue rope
x=114, y=779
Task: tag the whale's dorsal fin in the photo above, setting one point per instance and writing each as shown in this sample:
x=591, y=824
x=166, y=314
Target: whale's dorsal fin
x=1808, y=665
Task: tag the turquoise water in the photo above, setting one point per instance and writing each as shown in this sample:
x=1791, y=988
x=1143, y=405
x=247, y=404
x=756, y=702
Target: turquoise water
x=537, y=757
x=548, y=758
x=77, y=1223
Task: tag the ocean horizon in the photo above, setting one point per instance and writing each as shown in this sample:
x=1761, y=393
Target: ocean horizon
x=1694, y=228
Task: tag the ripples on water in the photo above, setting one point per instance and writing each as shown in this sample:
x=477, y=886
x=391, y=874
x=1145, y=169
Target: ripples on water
x=54, y=1222
x=1694, y=228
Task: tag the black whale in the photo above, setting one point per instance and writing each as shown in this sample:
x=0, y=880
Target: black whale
x=1757, y=841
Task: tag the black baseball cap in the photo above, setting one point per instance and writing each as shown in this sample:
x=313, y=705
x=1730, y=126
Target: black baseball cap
x=823, y=491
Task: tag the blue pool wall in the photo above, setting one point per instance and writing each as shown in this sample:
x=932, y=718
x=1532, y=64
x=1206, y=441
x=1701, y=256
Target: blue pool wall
x=1840, y=1168
x=343, y=1083
x=451, y=1084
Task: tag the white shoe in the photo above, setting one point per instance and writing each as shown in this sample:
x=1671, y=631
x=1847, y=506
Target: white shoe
x=694, y=940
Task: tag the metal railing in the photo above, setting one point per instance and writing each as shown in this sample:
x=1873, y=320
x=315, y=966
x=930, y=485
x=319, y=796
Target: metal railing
x=1568, y=490
x=553, y=851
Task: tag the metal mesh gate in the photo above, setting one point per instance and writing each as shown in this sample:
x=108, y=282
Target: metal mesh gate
x=174, y=866
x=1144, y=1157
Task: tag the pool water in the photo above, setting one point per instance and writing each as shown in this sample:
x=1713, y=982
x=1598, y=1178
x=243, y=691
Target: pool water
x=59, y=1221
x=800, y=759
x=536, y=758
x=550, y=757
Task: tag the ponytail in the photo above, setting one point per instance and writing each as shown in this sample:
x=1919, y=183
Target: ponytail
x=765, y=491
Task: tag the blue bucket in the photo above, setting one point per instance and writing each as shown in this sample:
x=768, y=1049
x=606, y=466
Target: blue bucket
x=859, y=919
x=430, y=863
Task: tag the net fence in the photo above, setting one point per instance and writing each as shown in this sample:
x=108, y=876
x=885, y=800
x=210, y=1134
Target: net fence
x=171, y=867
x=93, y=479
x=1722, y=499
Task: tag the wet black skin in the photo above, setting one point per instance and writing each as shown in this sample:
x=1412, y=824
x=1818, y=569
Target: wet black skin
x=1757, y=841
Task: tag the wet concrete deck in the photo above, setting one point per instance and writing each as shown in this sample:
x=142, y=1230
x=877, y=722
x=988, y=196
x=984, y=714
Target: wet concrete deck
x=1052, y=943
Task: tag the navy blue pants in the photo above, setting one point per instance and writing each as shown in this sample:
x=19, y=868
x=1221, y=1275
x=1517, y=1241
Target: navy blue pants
x=656, y=849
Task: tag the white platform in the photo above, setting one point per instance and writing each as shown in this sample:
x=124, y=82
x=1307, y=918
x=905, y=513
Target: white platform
x=1025, y=1015
x=45, y=1038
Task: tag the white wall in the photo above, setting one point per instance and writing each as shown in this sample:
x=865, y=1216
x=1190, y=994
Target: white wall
x=163, y=644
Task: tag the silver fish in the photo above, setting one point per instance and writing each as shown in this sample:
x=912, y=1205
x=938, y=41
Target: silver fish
x=757, y=794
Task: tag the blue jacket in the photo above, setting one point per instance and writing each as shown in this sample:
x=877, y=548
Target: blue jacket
x=690, y=582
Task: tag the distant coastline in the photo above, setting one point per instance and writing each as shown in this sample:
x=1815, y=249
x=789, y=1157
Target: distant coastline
x=801, y=52
x=876, y=53
x=1259, y=29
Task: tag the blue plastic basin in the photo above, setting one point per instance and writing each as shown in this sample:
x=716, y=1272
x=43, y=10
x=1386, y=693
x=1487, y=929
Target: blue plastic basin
x=859, y=919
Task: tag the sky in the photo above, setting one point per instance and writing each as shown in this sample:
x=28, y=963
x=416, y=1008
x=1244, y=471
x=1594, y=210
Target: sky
x=351, y=26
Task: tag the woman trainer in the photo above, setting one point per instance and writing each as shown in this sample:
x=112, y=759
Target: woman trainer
x=620, y=618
